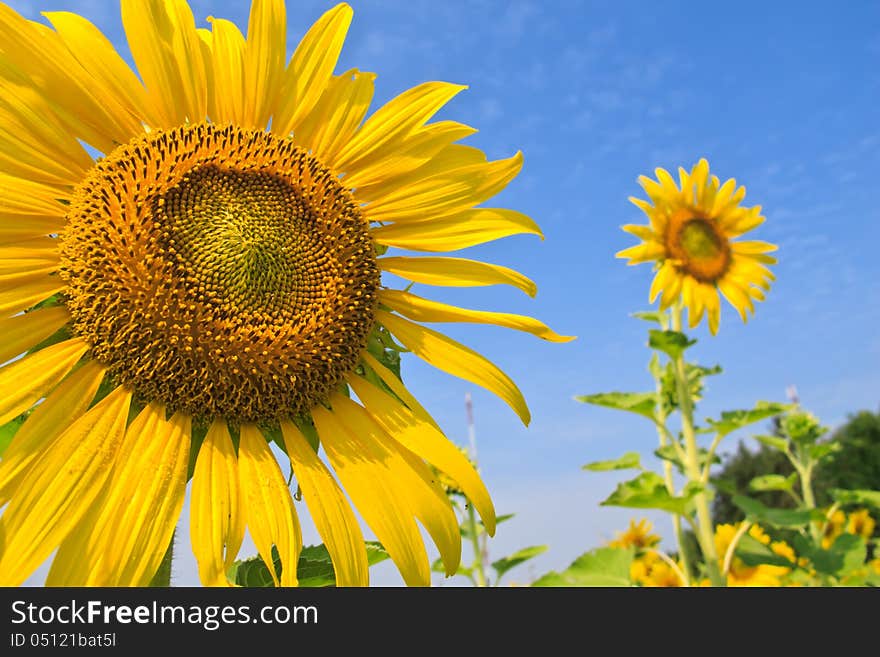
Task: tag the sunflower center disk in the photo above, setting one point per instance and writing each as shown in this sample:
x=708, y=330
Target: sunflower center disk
x=704, y=253
x=224, y=272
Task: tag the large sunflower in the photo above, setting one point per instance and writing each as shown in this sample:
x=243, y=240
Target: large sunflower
x=690, y=238
x=212, y=282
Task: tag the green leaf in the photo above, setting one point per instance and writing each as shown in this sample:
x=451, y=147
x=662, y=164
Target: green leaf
x=732, y=420
x=847, y=553
x=481, y=528
x=628, y=461
x=520, y=556
x=773, y=441
x=856, y=497
x=464, y=571
x=648, y=491
x=651, y=316
x=314, y=569
x=601, y=567
x=773, y=482
x=754, y=553
x=8, y=430
x=669, y=453
x=820, y=451
x=671, y=343
x=642, y=403
x=757, y=512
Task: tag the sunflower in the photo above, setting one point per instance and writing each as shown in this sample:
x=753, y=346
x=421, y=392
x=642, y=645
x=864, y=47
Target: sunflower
x=637, y=535
x=739, y=573
x=211, y=283
x=690, y=239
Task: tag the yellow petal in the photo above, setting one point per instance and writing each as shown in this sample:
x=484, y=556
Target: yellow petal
x=667, y=181
x=35, y=437
x=167, y=50
x=337, y=115
x=447, y=193
x=455, y=359
x=713, y=306
x=456, y=272
x=753, y=247
x=737, y=297
x=124, y=537
x=264, y=56
x=385, y=171
x=330, y=510
x=22, y=332
x=27, y=197
x=38, y=57
x=396, y=119
x=645, y=233
x=425, y=310
x=310, y=69
x=108, y=71
x=21, y=291
x=58, y=493
x=460, y=231
x=396, y=385
x=228, y=67
x=216, y=514
x=24, y=382
x=645, y=252
x=268, y=506
x=424, y=440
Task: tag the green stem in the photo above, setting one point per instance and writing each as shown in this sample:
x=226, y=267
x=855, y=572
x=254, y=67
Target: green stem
x=663, y=435
x=478, y=568
x=162, y=578
x=705, y=534
x=806, y=477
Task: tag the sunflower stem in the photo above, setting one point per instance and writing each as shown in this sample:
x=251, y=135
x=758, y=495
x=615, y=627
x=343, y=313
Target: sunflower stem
x=479, y=569
x=665, y=438
x=162, y=578
x=705, y=533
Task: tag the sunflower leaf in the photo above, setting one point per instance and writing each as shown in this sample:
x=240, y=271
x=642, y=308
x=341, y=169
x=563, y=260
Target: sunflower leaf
x=608, y=566
x=769, y=482
x=732, y=420
x=671, y=343
x=629, y=461
x=8, y=430
x=773, y=441
x=860, y=497
x=754, y=553
x=505, y=564
x=782, y=518
x=642, y=403
x=669, y=453
x=651, y=316
x=847, y=553
x=648, y=491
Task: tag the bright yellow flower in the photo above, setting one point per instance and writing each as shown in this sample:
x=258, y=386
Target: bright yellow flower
x=690, y=239
x=742, y=575
x=651, y=571
x=833, y=528
x=875, y=565
x=638, y=535
x=861, y=524
x=213, y=282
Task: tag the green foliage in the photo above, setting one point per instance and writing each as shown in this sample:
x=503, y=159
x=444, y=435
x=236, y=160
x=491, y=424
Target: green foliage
x=671, y=343
x=8, y=430
x=753, y=552
x=314, y=568
x=856, y=497
x=501, y=566
x=757, y=512
x=606, y=566
x=649, y=491
x=654, y=316
x=847, y=553
x=642, y=403
x=773, y=482
x=669, y=453
x=857, y=463
x=732, y=420
x=629, y=461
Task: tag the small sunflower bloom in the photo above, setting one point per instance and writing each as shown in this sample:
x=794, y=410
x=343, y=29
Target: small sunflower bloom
x=833, y=527
x=212, y=282
x=637, y=535
x=861, y=524
x=690, y=238
x=739, y=574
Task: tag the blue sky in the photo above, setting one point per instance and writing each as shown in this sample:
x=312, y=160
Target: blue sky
x=782, y=96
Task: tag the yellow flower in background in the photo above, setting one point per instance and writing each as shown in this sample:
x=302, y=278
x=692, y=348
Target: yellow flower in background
x=833, y=528
x=742, y=575
x=215, y=282
x=861, y=524
x=650, y=570
x=638, y=535
x=690, y=238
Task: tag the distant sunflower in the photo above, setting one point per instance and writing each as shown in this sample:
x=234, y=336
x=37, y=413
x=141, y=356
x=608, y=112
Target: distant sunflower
x=690, y=239
x=211, y=283
x=637, y=535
